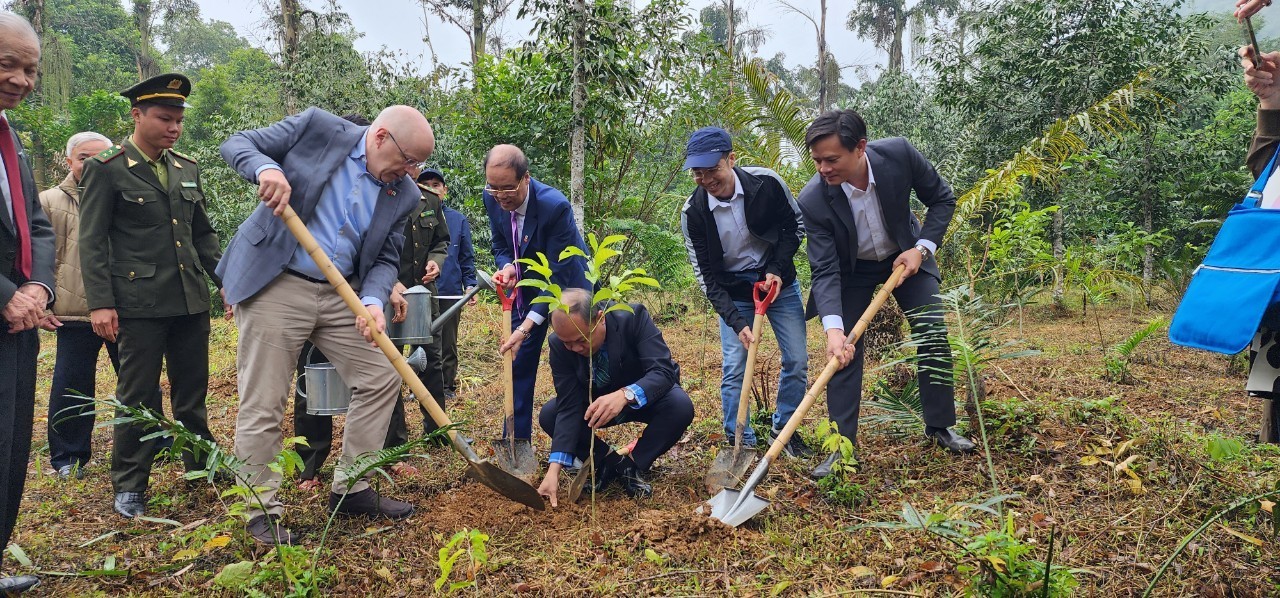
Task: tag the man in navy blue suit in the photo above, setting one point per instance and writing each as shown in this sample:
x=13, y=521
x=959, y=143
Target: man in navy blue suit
x=527, y=217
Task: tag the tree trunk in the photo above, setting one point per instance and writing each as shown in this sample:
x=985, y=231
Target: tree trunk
x=1059, y=251
x=1148, y=220
x=142, y=19
x=823, y=100
x=729, y=20
x=577, y=143
x=290, y=16
x=895, y=49
x=478, y=31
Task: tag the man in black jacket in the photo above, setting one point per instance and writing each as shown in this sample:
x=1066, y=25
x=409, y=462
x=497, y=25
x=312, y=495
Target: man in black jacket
x=741, y=226
x=857, y=213
x=610, y=368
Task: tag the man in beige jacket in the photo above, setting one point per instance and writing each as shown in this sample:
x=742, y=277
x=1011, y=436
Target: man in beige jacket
x=71, y=416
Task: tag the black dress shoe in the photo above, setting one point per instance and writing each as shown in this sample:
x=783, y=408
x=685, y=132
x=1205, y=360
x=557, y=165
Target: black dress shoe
x=266, y=530
x=949, y=440
x=633, y=484
x=824, y=469
x=12, y=586
x=795, y=446
x=131, y=504
x=369, y=503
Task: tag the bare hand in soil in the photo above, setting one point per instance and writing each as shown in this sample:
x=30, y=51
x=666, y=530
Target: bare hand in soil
x=550, y=486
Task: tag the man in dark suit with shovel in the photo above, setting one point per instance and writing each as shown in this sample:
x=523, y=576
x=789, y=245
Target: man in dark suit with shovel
x=857, y=215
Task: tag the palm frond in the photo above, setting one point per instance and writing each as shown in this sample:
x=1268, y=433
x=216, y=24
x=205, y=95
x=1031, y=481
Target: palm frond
x=1042, y=158
x=769, y=109
x=899, y=410
x=1126, y=347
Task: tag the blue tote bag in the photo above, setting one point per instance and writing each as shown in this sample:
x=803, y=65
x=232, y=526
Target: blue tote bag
x=1237, y=281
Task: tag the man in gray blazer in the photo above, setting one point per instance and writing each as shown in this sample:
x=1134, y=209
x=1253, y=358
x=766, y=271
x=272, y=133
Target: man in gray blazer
x=857, y=213
x=350, y=185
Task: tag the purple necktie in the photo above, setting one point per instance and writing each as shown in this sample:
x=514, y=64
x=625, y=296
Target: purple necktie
x=515, y=256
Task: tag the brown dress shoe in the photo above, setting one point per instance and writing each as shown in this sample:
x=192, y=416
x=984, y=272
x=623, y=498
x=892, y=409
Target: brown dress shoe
x=266, y=530
x=369, y=503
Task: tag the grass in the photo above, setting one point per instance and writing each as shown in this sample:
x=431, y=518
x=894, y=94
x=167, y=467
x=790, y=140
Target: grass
x=1117, y=536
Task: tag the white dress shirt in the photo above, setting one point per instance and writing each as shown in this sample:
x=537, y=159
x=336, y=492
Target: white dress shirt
x=742, y=251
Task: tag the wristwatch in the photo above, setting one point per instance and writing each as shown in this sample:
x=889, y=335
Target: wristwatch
x=924, y=251
x=630, y=395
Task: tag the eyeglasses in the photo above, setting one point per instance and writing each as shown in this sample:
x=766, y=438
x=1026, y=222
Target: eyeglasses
x=702, y=173
x=503, y=192
x=410, y=162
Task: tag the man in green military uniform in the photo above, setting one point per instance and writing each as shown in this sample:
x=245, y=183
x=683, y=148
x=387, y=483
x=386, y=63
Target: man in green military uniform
x=426, y=247
x=146, y=246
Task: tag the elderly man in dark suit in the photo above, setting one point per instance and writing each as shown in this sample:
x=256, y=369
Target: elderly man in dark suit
x=610, y=368
x=350, y=184
x=26, y=280
x=857, y=214
x=527, y=217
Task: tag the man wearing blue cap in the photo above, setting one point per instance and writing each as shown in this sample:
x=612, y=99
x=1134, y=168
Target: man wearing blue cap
x=741, y=226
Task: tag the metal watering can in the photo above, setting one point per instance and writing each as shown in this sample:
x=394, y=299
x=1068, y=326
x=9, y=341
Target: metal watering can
x=326, y=393
x=416, y=328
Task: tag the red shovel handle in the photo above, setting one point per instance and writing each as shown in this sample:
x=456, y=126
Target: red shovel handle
x=763, y=301
x=506, y=297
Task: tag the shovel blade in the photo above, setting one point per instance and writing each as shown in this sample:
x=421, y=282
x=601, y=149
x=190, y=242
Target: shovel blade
x=579, y=482
x=517, y=460
x=728, y=469
x=733, y=508
x=504, y=483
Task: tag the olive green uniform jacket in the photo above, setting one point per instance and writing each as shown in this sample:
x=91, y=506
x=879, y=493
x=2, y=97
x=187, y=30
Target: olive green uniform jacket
x=145, y=249
x=426, y=238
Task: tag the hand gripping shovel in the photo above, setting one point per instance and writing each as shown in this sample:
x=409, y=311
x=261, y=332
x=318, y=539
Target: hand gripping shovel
x=482, y=470
x=728, y=468
x=734, y=507
x=519, y=463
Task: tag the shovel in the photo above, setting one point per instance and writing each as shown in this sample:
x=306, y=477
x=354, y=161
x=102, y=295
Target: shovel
x=729, y=466
x=521, y=464
x=734, y=507
x=481, y=470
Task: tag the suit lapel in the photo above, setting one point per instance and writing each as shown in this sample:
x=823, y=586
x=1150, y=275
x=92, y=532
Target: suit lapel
x=887, y=190
x=329, y=160
x=616, y=341
x=4, y=213
x=839, y=203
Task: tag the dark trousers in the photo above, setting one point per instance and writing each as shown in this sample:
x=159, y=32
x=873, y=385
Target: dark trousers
x=181, y=343
x=524, y=374
x=75, y=381
x=918, y=298
x=17, y=412
x=318, y=429
x=667, y=417
x=449, y=346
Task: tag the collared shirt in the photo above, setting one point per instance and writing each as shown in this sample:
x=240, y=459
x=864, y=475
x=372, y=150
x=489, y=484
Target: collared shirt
x=158, y=166
x=342, y=217
x=874, y=242
x=520, y=211
x=742, y=251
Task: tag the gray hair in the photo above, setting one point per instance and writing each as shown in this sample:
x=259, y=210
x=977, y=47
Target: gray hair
x=16, y=22
x=507, y=156
x=578, y=302
x=85, y=137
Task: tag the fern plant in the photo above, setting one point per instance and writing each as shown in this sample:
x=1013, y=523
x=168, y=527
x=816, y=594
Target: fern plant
x=1117, y=359
x=899, y=409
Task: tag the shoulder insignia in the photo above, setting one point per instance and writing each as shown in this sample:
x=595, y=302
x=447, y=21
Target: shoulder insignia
x=182, y=155
x=109, y=154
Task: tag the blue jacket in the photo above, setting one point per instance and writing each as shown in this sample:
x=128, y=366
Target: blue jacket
x=308, y=146
x=548, y=228
x=459, y=271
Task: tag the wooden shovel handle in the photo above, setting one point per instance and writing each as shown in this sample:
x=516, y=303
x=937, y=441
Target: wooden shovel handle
x=308, y=242
x=833, y=364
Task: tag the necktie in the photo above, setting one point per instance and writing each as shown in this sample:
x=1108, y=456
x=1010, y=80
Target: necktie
x=600, y=368
x=515, y=252
x=20, y=222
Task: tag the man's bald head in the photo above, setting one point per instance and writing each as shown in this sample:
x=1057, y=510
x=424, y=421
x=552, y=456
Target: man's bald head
x=398, y=140
x=505, y=172
x=19, y=59
x=507, y=156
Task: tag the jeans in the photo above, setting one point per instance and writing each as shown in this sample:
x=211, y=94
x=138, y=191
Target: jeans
x=786, y=317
